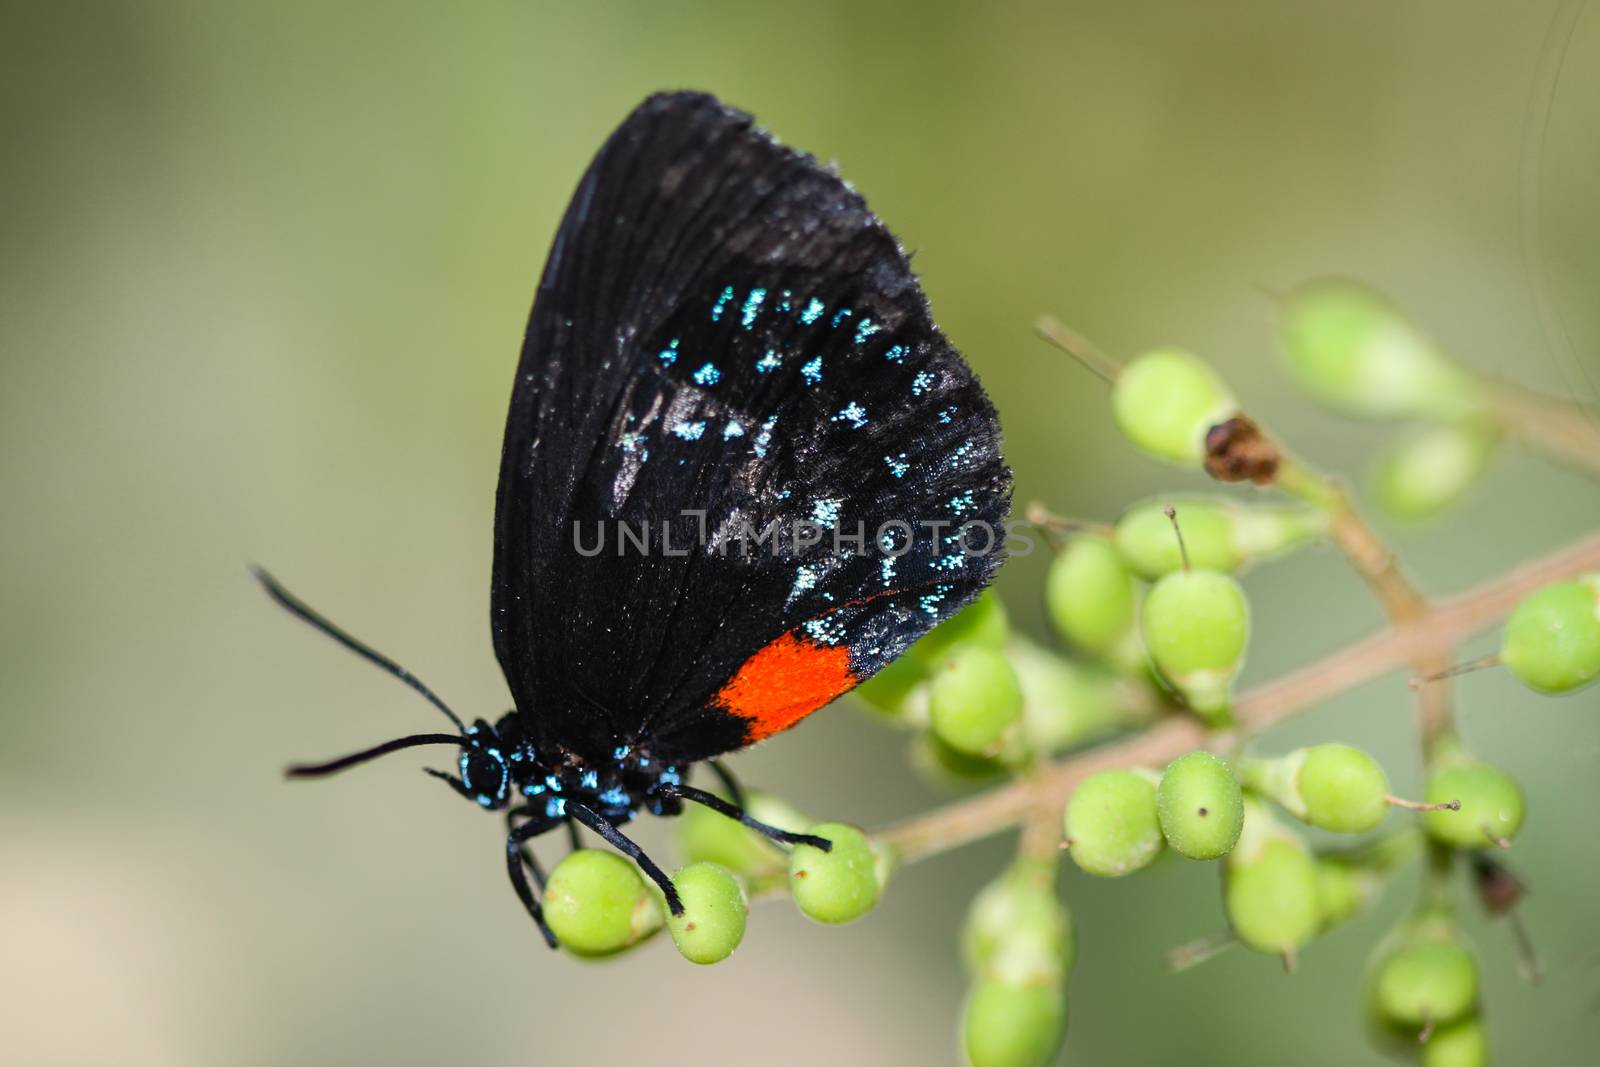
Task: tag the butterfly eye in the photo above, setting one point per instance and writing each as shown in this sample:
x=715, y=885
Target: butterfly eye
x=484, y=774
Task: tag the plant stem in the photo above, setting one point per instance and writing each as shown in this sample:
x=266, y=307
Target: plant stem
x=1566, y=430
x=1440, y=627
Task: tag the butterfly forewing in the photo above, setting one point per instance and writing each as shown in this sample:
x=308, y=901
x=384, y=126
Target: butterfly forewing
x=739, y=453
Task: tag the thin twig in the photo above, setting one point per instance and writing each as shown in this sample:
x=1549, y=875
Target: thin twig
x=1565, y=430
x=1441, y=627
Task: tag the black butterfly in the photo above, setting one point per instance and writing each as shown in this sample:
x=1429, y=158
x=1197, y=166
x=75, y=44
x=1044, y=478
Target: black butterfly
x=742, y=472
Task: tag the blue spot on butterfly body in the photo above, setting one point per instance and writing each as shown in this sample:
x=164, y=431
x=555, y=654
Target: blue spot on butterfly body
x=865, y=329
x=708, y=375
x=722, y=302
x=555, y=808
x=895, y=353
x=897, y=465
x=689, y=431
x=813, y=311
x=589, y=780
x=854, y=414
x=620, y=752
x=811, y=371
x=615, y=797
x=752, y=307
x=769, y=362
x=921, y=382
x=669, y=355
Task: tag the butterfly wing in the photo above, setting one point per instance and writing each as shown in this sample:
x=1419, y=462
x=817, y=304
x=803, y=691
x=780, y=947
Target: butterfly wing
x=739, y=454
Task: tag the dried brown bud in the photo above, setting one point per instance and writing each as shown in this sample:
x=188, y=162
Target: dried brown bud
x=1238, y=451
x=1499, y=890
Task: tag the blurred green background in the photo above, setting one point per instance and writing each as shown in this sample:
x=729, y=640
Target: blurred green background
x=265, y=270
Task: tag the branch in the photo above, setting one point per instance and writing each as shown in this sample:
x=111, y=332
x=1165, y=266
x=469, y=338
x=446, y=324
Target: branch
x=1439, y=628
x=1568, y=431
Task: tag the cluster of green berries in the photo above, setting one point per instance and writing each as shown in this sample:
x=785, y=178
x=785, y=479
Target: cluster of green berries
x=598, y=904
x=1018, y=945
x=982, y=700
x=1352, y=349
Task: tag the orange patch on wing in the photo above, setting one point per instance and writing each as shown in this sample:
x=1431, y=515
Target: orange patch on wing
x=784, y=682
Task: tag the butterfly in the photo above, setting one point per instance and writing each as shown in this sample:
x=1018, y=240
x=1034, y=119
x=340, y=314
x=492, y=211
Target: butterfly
x=743, y=471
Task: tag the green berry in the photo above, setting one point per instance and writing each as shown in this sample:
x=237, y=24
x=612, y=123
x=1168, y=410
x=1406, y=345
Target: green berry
x=893, y=691
x=982, y=623
x=1492, y=806
x=1166, y=400
x=1432, y=468
x=1112, y=824
x=1351, y=348
x=1343, y=789
x=1017, y=930
x=942, y=765
x=1013, y=1026
x=597, y=904
x=1427, y=982
x=1220, y=534
x=974, y=701
x=708, y=836
x=1341, y=891
x=837, y=886
x=1200, y=806
x=714, y=913
x=1463, y=1044
x=1552, y=639
x=1065, y=702
x=1090, y=598
x=1272, y=900
x=1196, y=625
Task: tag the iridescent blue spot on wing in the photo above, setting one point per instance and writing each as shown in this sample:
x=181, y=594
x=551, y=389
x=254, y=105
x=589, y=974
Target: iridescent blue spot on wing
x=840, y=315
x=813, y=311
x=895, y=353
x=784, y=305
x=963, y=503
x=732, y=430
x=752, y=307
x=826, y=630
x=769, y=362
x=947, y=416
x=929, y=602
x=764, y=438
x=921, y=383
x=886, y=569
x=689, y=431
x=669, y=355
x=811, y=371
x=854, y=414
x=826, y=512
x=865, y=329
x=722, y=302
x=707, y=375
x=897, y=465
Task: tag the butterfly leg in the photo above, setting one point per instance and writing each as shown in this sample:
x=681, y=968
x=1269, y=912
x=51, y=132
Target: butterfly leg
x=625, y=845
x=722, y=807
x=528, y=858
x=516, y=859
x=729, y=782
x=572, y=835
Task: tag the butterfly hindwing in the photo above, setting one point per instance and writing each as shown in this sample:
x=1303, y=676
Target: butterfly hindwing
x=731, y=400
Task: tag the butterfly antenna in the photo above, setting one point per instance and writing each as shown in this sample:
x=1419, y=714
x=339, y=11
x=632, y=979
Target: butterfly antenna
x=300, y=610
x=317, y=770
